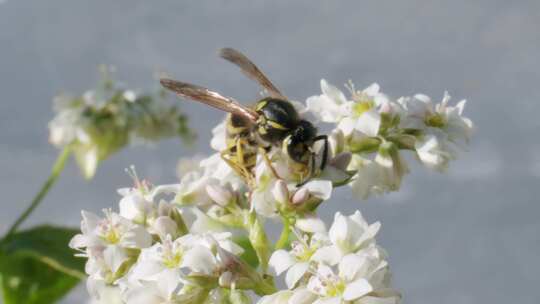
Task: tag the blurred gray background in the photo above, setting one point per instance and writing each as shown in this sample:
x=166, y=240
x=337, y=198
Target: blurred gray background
x=468, y=236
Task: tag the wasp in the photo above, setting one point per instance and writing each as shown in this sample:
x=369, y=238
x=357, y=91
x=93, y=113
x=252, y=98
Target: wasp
x=272, y=122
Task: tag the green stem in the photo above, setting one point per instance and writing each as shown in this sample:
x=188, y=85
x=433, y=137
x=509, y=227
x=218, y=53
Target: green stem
x=55, y=173
x=284, y=237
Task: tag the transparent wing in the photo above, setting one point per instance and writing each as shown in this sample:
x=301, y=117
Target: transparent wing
x=211, y=98
x=250, y=70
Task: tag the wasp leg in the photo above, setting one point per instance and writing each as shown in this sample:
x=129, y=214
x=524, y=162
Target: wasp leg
x=269, y=162
x=311, y=171
x=234, y=157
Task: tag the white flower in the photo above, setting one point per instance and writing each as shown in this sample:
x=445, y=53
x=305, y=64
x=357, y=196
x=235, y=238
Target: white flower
x=422, y=113
x=331, y=106
x=368, y=179
x=435, y=151
x=299, y=259
x=348, y=234
x=360, y=280
x=361, y=114
x=111, y=230
x=167, y=257
x=192, y=189
x=163, y=290
x=393, y=166
x=105, y=267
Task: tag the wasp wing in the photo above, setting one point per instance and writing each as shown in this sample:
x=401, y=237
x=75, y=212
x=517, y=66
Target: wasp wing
x=209, y=97
x=250, y=70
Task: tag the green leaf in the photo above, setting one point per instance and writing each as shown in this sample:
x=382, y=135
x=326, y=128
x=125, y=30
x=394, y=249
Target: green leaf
x=249, y=256
x=25, y=279
x=49, y=245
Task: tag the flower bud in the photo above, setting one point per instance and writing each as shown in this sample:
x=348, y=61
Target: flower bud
x=281, y=192
x=342, y=160
x=219, y=194
x=226, y=279
x=300, y=196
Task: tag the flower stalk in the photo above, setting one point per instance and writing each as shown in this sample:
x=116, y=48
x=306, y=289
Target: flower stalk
x=57, y=168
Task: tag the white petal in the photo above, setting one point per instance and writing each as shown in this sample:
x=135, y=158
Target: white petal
x=114, y=257
x=199, y=259
x=347, y=125
x=369, y=123
x=320, y=188
x=350, y=265
x=295, y=273
x=338, y=230
x=333, y=92
x=330, y=255
x=373, y=89
x=302, y=296
x=311, y=224
x=281, y=260
x=357, y=289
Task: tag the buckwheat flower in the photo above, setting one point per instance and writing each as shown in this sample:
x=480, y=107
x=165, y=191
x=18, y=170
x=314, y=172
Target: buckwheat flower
x=331, y=106
x=348, y=234
x=105, y=264
x=165, y=257
x=422, y=113
x=393, y=166
x=111, y=230
x=163, y=290
x=359, y=280
x=139, y=204
x=359, y=114
x=435, y=151
x=443, y=128
x=299, y=259
x=102, y=121
x=368, y=179
x=192, y=189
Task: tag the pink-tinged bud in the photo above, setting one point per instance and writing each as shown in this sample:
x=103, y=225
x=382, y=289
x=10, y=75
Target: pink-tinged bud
x=386, y=108
x=219, y=194
x=226, y=279
x=300, y=196
x=281, y=192
x=342, y=160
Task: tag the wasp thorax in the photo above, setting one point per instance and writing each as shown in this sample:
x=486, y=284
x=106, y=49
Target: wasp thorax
x=277, y=119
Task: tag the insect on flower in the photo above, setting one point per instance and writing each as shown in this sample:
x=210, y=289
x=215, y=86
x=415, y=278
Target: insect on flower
x=273, y=122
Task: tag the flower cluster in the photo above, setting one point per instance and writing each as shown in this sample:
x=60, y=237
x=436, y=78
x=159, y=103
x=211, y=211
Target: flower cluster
x=104, y=120
x=204, y=239
x=374, y=128
x=343, y=265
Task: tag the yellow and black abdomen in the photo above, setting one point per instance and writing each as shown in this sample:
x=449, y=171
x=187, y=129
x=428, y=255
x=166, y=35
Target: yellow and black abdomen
x=242, y=145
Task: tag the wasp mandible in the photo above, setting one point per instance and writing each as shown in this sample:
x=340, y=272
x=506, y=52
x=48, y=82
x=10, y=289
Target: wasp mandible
x=272, y=122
